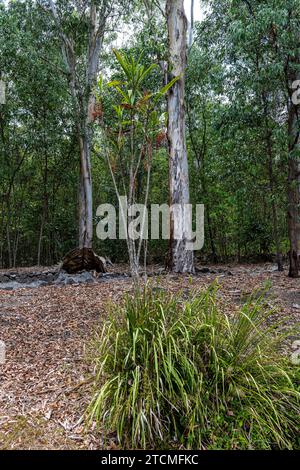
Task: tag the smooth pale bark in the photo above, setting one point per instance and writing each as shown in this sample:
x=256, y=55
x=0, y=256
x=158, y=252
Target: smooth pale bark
x=84, y=100
x=85, y=194
x=180, y=259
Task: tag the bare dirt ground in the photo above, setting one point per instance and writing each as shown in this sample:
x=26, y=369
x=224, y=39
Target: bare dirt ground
x=44, y=384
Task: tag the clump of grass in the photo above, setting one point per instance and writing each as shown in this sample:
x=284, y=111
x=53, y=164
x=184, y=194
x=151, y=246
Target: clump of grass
x=182, y=373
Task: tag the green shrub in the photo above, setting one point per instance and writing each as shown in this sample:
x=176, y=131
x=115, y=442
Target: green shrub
x=176, y=373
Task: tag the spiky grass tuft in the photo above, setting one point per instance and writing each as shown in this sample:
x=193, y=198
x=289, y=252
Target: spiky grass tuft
x=173, y=372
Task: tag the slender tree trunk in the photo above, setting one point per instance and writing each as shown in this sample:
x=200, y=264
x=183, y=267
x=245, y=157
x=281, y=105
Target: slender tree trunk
x=44, y=215
x=211, y=235
x=16, y=246
x=273, y=203
x=269, y=151
x=40, y=240
x=200, y=154
x=191, y=23
x=180, y=259
x=8, y=245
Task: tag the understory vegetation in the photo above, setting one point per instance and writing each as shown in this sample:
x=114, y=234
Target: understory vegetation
x=182, y=373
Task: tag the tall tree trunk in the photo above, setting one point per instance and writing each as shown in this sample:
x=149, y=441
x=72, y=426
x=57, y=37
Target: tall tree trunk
x=273, y=203
x=44, y=215
x=293, y=196
x=85, y=194
x=8, y=246
x=294, y=174
x=200, y=154
x=84, y=100
x=211, y=235
x=180, y=258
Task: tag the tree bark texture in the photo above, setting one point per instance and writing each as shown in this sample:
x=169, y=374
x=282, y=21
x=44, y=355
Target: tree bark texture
x=180, y=259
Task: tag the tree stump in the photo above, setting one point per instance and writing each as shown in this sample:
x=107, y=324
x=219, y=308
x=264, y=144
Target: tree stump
x=83, y=259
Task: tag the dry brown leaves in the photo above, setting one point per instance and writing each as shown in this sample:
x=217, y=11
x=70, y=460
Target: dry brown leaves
x=44, y=385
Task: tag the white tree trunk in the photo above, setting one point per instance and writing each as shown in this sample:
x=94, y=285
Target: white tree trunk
x=85, y=195
x=180, y=259
x=84, y=99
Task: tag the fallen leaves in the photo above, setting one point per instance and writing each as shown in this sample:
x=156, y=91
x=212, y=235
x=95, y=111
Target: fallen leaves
x=45, y=382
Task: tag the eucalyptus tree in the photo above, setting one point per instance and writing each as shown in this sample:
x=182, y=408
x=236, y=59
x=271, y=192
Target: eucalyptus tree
x=81, y=27
x=180, y=257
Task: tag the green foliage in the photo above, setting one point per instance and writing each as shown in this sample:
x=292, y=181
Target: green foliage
x=38, y=154
x=236, y=95
x=236, y=100
x=132, y=116
x=131, y=132
x=176, y=373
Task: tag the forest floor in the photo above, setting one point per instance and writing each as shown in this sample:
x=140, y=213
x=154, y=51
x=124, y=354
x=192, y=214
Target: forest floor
x=44, y=386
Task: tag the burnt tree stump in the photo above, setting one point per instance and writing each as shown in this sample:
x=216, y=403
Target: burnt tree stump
x=83, y=259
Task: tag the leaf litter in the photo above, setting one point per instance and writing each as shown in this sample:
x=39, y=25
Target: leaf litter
x=45, y=384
